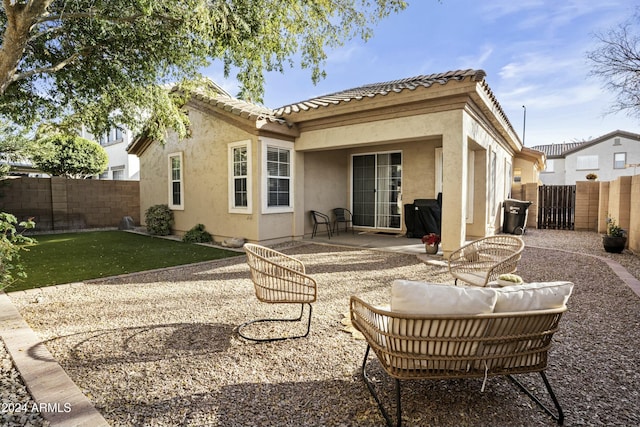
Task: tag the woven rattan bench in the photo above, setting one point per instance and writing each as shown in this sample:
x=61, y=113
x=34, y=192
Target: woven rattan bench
x=279, y=279
x=482, y=261
x=440, y=347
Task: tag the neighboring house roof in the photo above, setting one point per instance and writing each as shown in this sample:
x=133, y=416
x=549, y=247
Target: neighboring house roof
x=379, y=89
x=557, y=150
x=561, y=150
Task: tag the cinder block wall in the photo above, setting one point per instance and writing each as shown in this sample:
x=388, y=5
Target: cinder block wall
x=587, y=205
x=66, y=204
x=633, y=242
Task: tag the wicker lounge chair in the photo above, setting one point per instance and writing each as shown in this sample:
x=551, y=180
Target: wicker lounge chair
x=440, y=347
x=279, y=279
x=482, y=261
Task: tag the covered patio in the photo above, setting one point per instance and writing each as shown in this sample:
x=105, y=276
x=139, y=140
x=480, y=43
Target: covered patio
x=389, y=242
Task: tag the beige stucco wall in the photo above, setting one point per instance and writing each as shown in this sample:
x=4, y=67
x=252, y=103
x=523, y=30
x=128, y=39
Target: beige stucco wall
x=457, y=126
x=205, y=172
x=487, y=209
x=528, y=171
x=417, y=137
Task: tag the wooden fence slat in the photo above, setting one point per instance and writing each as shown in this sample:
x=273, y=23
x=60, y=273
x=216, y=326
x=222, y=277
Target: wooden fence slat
x=556, y=206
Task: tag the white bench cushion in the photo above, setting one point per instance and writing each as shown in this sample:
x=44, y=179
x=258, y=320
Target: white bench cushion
x=413, y=297
x=533, y=296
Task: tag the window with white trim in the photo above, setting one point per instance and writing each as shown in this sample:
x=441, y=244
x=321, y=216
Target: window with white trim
x=278, y=173
x=176, y=181
x=240, y=177
x=587, y=162
x=619, y=160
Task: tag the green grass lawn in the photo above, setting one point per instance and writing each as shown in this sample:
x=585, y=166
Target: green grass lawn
x=74, y=257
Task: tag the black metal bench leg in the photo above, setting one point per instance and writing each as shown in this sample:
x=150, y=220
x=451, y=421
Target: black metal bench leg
x=559, y=417
x=297, y=319
x=372, y=390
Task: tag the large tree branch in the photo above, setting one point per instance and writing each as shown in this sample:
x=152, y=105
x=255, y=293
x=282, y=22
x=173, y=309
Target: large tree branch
x=20, y=19
x=51, y=69
x=103, y=17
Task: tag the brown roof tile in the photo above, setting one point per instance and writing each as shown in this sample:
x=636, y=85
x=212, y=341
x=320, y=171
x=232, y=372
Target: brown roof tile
x=238, y=107
x=557, y=150
x=379, y=89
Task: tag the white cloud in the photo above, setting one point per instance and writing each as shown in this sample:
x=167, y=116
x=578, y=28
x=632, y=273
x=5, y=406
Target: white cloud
x=478, y=60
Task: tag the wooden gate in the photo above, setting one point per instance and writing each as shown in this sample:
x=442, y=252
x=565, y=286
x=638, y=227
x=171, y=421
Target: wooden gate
x=557, y=206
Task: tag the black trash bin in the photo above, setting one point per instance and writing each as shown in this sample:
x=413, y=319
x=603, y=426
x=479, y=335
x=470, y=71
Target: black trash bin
x=515, y=216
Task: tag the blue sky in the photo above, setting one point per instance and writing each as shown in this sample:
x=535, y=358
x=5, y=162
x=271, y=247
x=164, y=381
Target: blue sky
x=534, y=53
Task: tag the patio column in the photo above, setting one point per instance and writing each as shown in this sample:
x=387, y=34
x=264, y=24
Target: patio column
x=297, y=226
x=454, y=183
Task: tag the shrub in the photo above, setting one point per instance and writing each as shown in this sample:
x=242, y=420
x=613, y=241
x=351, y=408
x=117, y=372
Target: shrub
x=159, y=219
x=197, y=235
x=69, y=155
x=613, y=229
x=11, y=243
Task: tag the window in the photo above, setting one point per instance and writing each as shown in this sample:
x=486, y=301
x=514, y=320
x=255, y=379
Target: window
x=113, y=136
x=278, y=168
x=619, y=160
x=278, y=176
x=550, y=166
x=117, y=173
x=176, y=182
x=587, y=162
x=240, y=177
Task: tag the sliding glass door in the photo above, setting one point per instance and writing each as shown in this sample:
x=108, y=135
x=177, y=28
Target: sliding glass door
x=377, y=180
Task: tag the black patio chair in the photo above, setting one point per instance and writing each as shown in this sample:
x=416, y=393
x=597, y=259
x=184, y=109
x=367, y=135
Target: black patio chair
x=342, y=215
x=320, y=219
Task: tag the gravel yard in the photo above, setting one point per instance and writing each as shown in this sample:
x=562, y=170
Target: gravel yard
x=160, y=349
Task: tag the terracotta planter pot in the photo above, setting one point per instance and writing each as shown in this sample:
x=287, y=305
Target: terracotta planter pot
x=431, y=249
x=614, y=245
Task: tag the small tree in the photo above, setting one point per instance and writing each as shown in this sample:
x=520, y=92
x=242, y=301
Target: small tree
x=69, y=155
x=616, y=61
x=11, y=243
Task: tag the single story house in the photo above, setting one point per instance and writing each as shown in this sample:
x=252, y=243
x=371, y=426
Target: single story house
x=254, y=172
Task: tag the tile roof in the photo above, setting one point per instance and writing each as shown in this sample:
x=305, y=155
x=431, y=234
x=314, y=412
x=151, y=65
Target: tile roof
x=557, y=150
x=379, y=89
x=238, y=107
x=561, y=150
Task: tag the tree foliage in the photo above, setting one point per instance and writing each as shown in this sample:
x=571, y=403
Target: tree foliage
x=70, y=156
x=104, y=62
x=11, y=243
x=616, y=60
